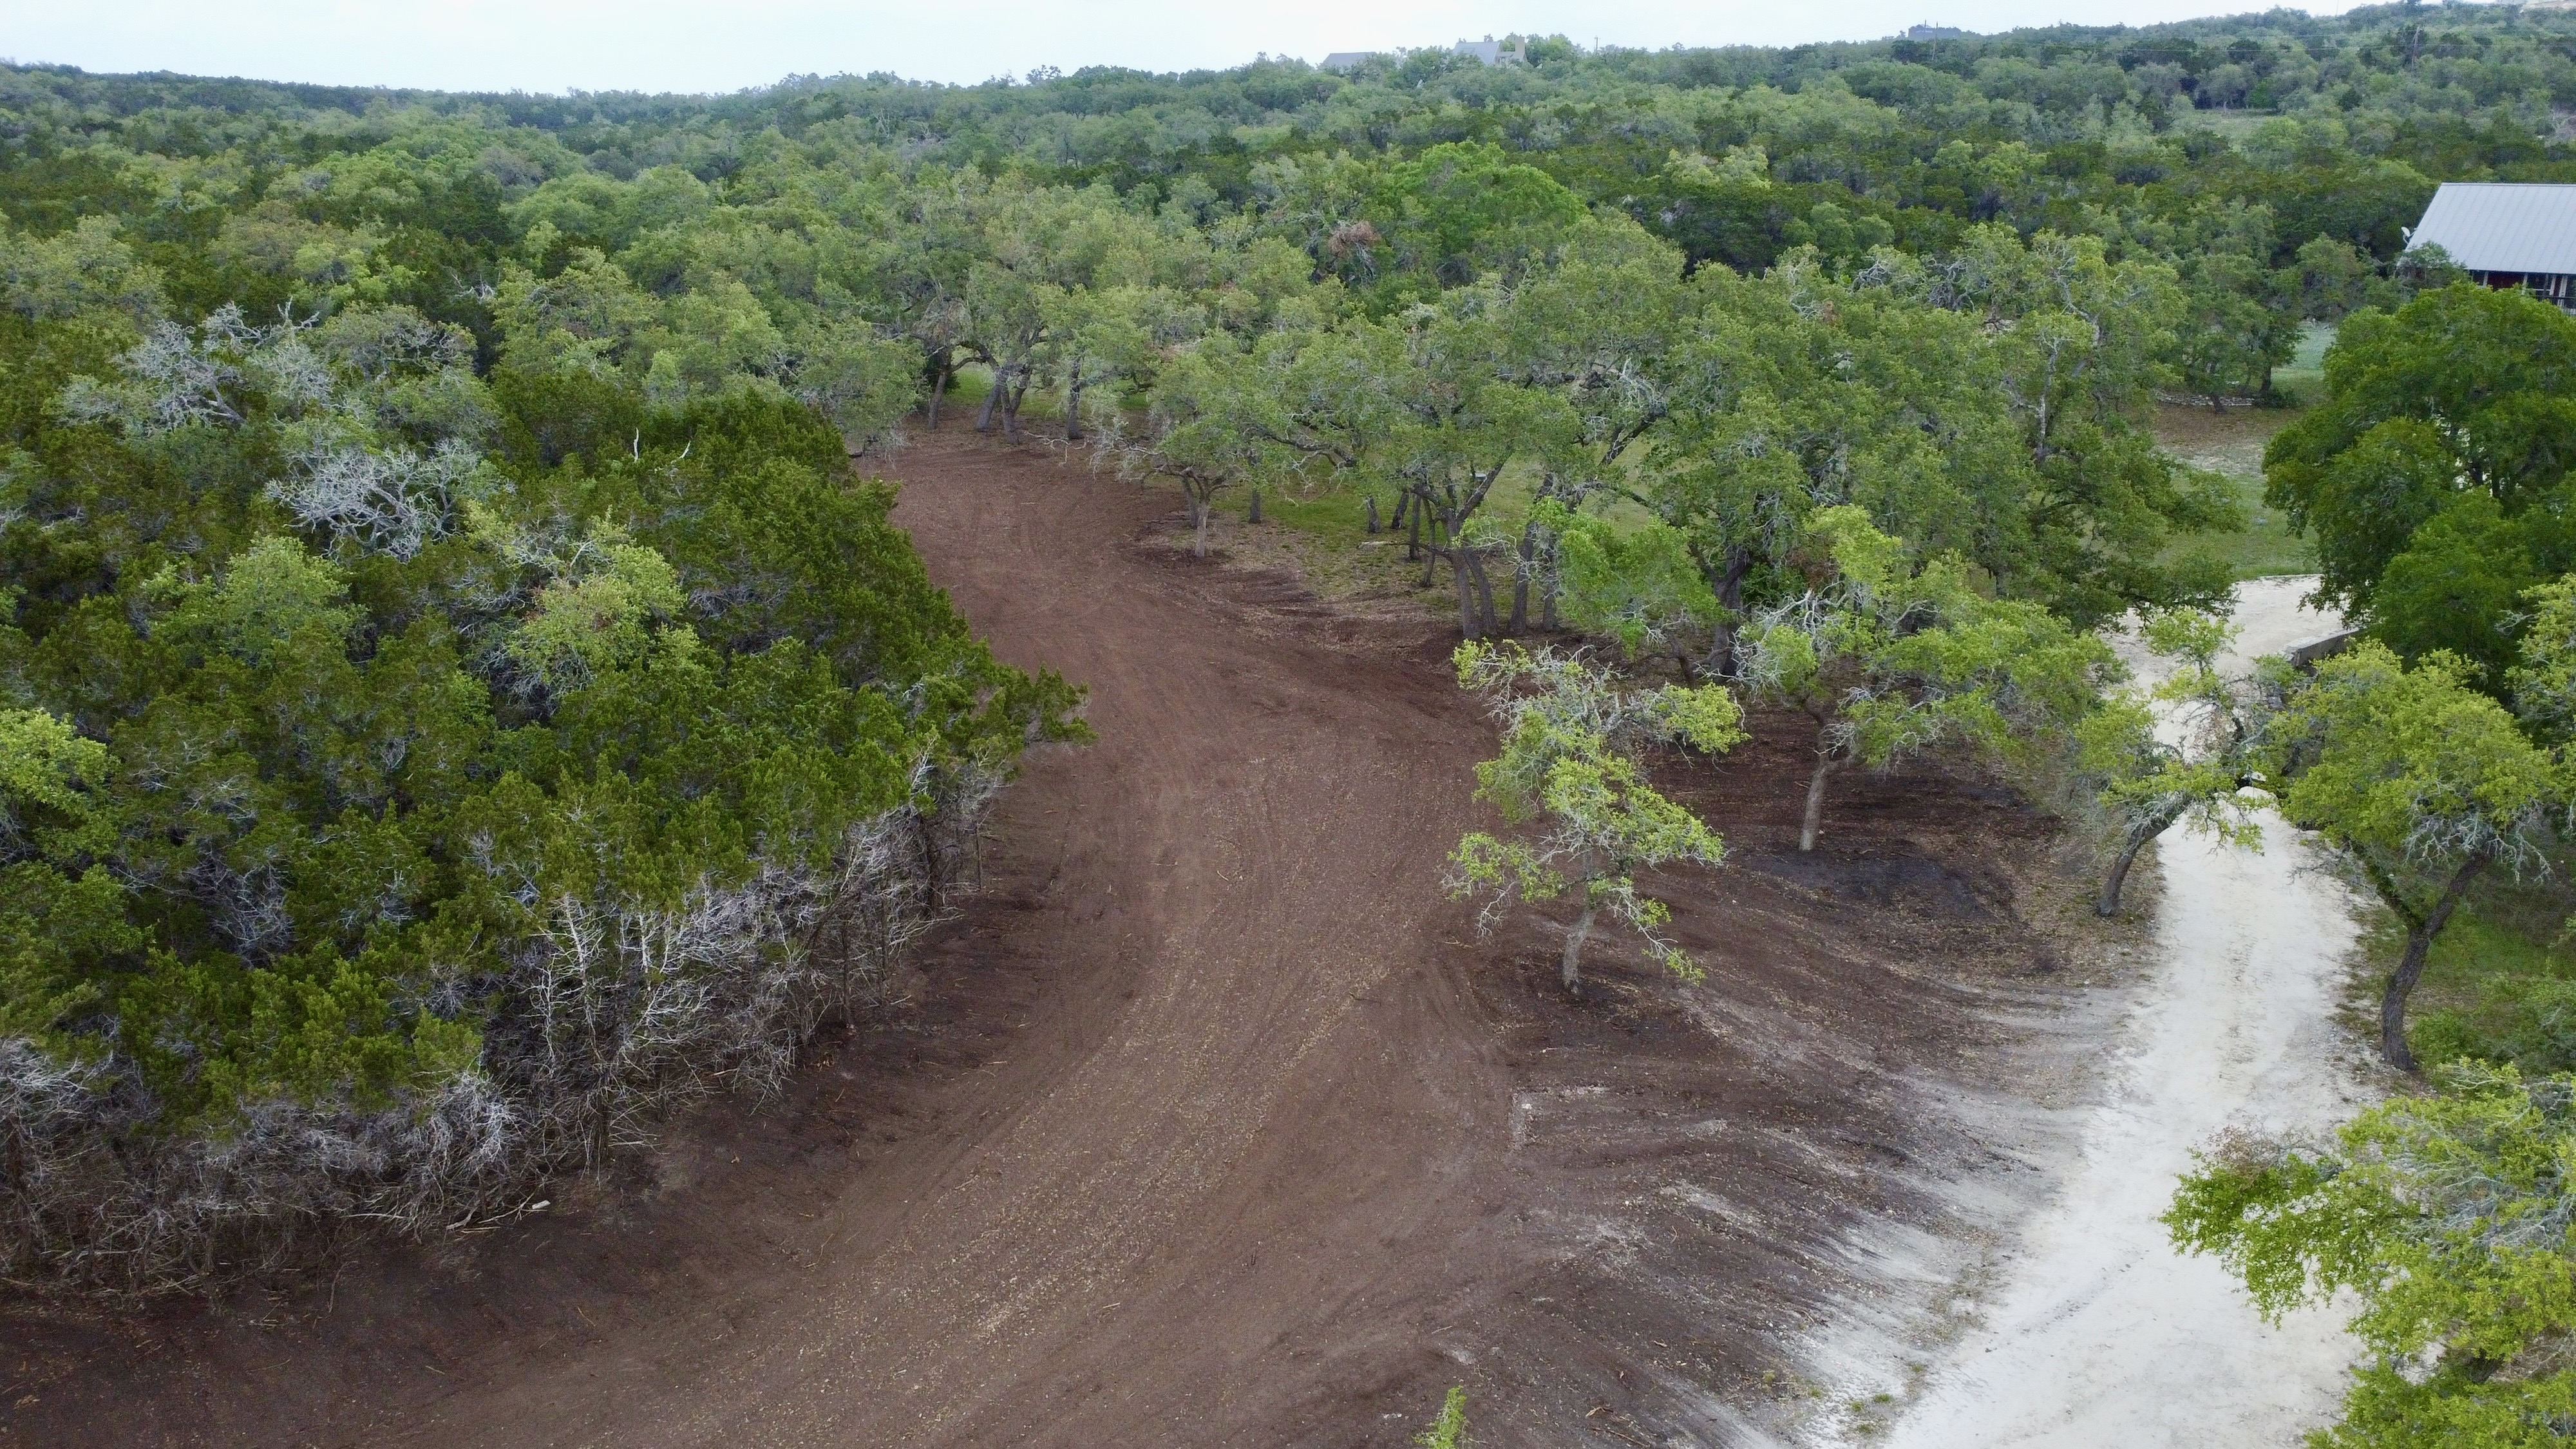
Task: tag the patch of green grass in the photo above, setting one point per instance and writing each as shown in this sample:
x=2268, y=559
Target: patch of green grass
x=2303, y=378
x=2264, y=548
x=2230, y=442
x=1336, y=516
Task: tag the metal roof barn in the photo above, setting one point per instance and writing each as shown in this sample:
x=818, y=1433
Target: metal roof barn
x=2498, y=226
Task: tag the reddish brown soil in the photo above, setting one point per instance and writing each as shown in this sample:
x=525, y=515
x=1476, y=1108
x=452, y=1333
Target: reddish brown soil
x=1209, y=1121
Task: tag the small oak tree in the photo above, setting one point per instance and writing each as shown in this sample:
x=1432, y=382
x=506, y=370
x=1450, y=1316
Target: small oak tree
x=2421, y=781
x=1572, y=733
x=2200, y=760
x=1891, y=659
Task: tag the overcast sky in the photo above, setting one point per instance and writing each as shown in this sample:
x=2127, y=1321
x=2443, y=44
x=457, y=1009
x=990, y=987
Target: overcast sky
x=722, y=45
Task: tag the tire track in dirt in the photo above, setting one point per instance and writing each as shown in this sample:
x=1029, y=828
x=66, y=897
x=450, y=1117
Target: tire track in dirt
x=1221, y=852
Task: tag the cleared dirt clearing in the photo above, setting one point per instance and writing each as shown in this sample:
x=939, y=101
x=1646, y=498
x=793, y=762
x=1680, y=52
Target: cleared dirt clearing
x=1209, y=1121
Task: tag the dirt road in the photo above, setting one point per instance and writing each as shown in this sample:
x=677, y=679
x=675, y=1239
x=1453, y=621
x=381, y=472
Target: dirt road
x=2101, y=1333
x=1210, y=1122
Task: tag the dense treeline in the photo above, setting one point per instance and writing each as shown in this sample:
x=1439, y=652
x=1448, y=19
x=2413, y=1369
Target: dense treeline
x=414, y=776
x=2229, y=147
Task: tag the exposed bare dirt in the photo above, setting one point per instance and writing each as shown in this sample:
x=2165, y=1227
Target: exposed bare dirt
x=1210, y=1121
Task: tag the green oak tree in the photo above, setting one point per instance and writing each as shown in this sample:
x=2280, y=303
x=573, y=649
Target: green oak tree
x=2445, y=1215
x=1892, y=657
x=2185, y=747
x=2421, y=781
x=2434, y=476
x=1571, y=774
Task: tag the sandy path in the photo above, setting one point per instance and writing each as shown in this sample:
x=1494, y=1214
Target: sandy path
x=2102, y=1334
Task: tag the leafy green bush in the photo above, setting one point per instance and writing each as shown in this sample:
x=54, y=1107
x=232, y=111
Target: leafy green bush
x=2448, y=1215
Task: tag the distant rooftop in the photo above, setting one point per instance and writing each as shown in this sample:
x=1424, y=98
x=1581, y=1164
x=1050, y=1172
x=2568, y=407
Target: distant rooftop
x=1489, y=50
x=2502, y=226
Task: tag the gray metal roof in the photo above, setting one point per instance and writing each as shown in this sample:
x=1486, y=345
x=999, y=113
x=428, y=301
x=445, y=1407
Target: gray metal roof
x=2502, y=226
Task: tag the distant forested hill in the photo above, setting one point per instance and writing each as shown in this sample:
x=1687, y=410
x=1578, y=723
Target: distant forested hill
x=2070, y=127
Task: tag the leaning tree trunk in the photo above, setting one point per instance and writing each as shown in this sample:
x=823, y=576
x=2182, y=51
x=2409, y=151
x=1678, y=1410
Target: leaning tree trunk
x=1569, y=967
x=2420, y=931
x=2108, y=902
x=1468, y=619
x=938, y=389
x=1484, y=590
x=992, y=399
x=1073, y=409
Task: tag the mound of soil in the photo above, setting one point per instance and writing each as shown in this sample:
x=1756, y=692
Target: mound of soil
x=1210, y=1120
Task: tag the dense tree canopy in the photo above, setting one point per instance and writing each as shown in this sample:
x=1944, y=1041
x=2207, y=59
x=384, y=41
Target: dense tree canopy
x=2436, y=475
x=444, y=766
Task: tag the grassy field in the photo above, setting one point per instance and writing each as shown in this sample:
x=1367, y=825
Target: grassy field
x=2230, y=443
x=2303, y=377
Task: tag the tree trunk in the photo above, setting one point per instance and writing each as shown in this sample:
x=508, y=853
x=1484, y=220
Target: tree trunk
x=1253, y=514
x=1467, y=616
x=993, y=403
x=1200, y=508
x=2410, y=967
x=1406, y=505
x=1569, y=966
x=1825, y=763
x=1372, y=515
x=1073, y=409
x=1730, y=598
x=1485, y=620
x=2108, y=903
x=1520, y=580
x=1011, y=409
x=938, y=390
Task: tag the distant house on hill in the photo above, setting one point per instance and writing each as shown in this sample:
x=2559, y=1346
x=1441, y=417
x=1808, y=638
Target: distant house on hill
x=2506, y=234
x=1935, y=32
x=1491, y=52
